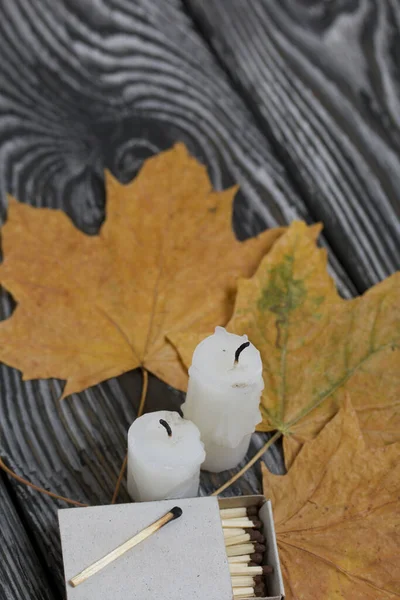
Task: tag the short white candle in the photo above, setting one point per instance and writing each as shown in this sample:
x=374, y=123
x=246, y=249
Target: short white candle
x=163, y=460
x=223, y=397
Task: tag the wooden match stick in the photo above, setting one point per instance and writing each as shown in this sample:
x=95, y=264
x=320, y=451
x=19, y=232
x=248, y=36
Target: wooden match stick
x=245, y=580
x=249, y=591
x=244, y=549
x=173, y=514
x=243, y=592
x=267, y=568
x=256, y=558
x=241, y=523
x=245, y=570
x=231, y=513
x=245, y=559
x=251, y=559
x=232, y=532
x=253, y=536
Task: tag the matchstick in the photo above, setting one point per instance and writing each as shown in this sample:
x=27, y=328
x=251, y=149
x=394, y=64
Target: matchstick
x=231, y=513
x=243, y=592
x=246, y=580
x=173, y=514
x=247, y=570
x=253, y=536
x=249, y=591
x=246, y=558
x=255, y=559
x=241, y=523
x=233, y=532
x=244, y=549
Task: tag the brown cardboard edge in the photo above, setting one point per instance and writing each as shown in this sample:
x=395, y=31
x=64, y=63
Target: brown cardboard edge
x=266, y=516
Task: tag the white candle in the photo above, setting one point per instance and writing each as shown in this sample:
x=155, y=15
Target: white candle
x=163, y=458
x=223, y=397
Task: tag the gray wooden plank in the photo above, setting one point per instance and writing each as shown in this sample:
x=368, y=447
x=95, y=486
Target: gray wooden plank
x=322, y=80
x=110, y=83
x=21, y=574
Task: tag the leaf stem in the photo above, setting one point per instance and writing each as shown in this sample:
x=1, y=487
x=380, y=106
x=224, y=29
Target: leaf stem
x=23, y=481
x=327, y=393
x=145, y=385
x=248, y=465
x=120, y=478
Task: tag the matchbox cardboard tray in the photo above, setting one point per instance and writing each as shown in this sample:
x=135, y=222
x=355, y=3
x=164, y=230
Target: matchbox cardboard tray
x=185, y=560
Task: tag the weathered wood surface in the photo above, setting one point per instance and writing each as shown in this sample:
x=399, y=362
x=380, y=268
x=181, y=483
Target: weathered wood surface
x=108, y=83
x=322, y=79
x=21, y=574
x=81, y=89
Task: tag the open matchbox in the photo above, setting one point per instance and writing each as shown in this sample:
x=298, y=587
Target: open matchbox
x=185, y=560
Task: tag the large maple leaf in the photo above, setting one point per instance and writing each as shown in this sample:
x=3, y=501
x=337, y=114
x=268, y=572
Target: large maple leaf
x=315, y=346
x=93, y=307
x=337, y=516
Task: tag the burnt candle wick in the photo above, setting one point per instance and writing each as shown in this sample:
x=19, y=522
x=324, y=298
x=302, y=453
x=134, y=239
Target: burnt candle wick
x=240, y=350
x=166, y=426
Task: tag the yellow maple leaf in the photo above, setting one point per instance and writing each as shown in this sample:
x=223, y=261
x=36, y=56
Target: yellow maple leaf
x=337, y=516
x=92, y=307
x=316, y=346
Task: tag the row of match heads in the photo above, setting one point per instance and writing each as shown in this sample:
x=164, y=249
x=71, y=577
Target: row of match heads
x=245, y=548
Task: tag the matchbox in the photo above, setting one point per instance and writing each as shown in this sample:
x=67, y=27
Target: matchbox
x=185, y=560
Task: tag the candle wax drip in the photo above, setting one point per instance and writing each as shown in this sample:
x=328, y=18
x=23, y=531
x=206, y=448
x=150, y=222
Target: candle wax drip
x=240, y=350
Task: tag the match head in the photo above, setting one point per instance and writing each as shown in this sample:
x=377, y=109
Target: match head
x=256, y=536
x=267, y=569
x=256, y=559
x=259, y=548
x=176, y=512
x=260, y=587
x=260, y=590
x=252, y=511
x=257, y=524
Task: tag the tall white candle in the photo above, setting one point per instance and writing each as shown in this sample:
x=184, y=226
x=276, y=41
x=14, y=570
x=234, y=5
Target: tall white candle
x=223, y=397
x=164, y=457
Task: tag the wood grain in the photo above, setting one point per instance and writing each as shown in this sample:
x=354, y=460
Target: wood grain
x=21, y=574
x=322, y=79
x=109, y=83
x=83, y=88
